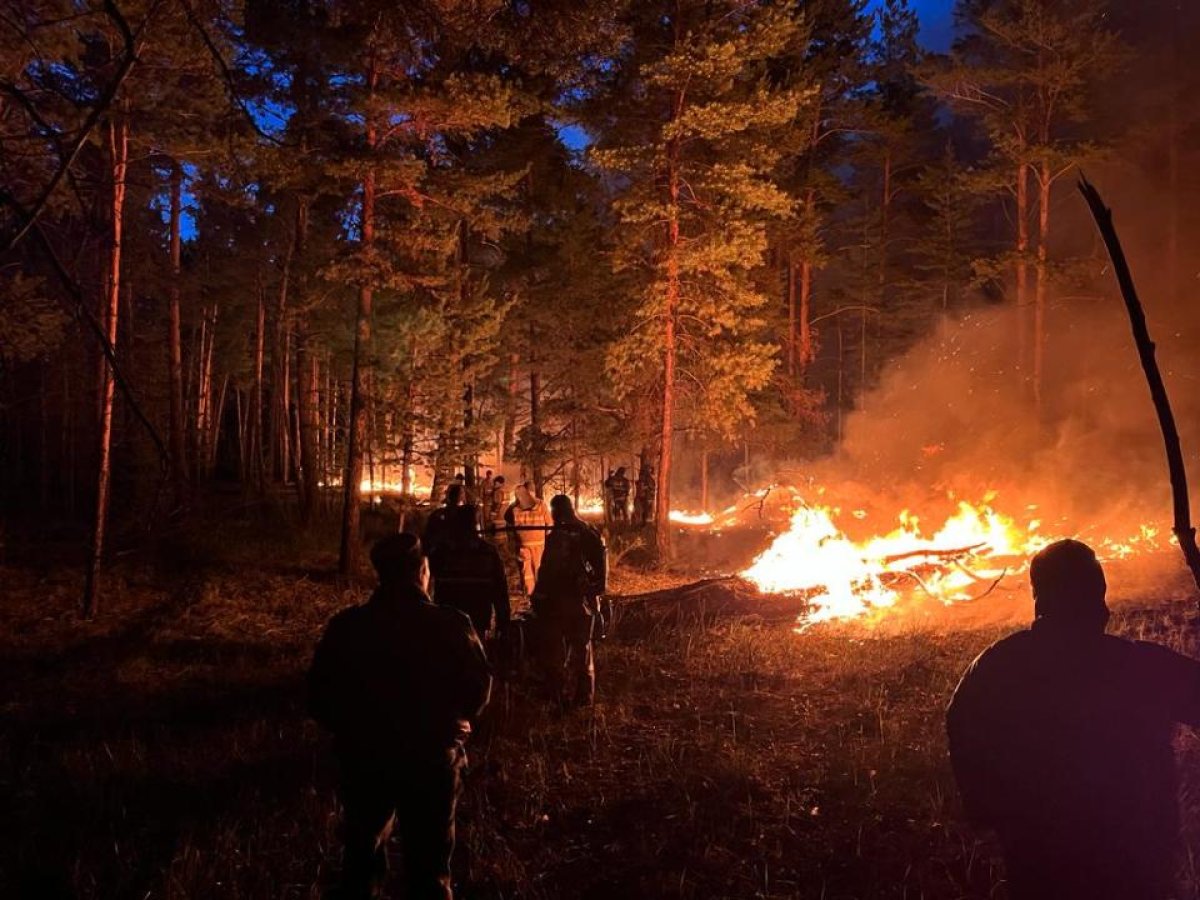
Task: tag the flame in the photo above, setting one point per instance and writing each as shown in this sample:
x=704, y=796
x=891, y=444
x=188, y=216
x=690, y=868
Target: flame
x=971, y=551
x=682, y=517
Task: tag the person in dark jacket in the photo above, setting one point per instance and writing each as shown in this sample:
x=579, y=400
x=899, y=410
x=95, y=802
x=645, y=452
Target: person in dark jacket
x=468, y=574
x=398, y=681
x=616, y=488
x=1060, y=738
x=438, y=525
x=644, y=503
x=571, y=579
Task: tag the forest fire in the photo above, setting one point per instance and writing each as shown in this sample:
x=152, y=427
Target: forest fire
x=964, y=559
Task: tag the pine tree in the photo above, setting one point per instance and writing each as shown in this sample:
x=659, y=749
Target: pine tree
x=694, y=145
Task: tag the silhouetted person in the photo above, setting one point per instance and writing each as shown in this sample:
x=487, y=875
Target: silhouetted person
x=617, y=486
x=438, y=525
x=569, y=584
x=468, y=574
x=645, y=495
x=398, y=681
x=1060, y=737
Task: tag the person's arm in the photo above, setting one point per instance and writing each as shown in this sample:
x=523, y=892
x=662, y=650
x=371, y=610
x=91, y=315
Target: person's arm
x=1172, y=675
x=324, y=676
x=968, y=741
x=499, y=589
x=475, y=675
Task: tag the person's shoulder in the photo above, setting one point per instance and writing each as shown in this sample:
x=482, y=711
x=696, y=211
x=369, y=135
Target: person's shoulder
x=1003, y=651
x=1150, y=654
x=447, y=620
x=346, y=620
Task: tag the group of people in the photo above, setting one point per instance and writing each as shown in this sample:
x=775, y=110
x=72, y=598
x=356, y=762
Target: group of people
x=400, y=679
x=1060, y=735
x=617, y=489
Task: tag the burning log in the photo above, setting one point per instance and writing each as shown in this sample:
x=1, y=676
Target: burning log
x=1185, y=532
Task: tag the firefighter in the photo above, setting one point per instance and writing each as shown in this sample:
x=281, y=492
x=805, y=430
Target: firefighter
x=645, y=495
x=398, y=681
x=566, y=602
x=529, y=521
x=1060, y=738
x=617, y=486
x=437, y=526
x=468, y=574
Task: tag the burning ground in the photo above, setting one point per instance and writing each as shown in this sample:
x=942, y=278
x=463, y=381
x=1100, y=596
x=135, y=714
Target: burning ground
x=163, y=750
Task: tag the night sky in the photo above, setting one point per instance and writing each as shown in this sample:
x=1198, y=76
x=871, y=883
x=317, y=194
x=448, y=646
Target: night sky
x=937, y=22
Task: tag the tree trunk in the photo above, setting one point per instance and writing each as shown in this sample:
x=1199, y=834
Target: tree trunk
x=535, y=414
x=308, y=398
x=175, y=344
x=1022, y=266
x=662, y=500
x=1045, y=183
x=792, y=323
x=510, y=411
x=348, y=557
x=254, y=424
x=118, y=144
x=704, y=478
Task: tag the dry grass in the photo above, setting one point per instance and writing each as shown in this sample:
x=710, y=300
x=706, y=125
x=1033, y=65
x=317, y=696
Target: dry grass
x=162, y=751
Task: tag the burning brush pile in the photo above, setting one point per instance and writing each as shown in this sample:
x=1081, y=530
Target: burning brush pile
x=845, y=571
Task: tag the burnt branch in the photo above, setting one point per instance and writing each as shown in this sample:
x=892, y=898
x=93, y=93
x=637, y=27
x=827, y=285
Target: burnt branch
x=1185, y=532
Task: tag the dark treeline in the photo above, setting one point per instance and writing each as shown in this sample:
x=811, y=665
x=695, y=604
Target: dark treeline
x=291, y=245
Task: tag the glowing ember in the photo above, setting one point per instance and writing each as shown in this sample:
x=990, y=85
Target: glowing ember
x=971, y=551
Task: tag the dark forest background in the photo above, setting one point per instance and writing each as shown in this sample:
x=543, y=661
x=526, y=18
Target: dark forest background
x=267, y=249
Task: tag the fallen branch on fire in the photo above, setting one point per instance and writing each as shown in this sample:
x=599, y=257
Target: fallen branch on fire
x=1185, y=532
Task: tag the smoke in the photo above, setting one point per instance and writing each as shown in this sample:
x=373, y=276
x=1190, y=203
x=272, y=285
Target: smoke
x=956, y=417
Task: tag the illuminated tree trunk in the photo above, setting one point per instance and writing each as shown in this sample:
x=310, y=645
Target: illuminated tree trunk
x=662, y=504
x=1045, y=182
x=535, y=414
x=175, y=344
x=118, y=145
x=348, y=558
x=1022, y=265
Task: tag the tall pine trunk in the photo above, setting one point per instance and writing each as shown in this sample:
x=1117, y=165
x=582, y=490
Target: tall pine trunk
x=1045, y=183
x=175, y=344
x=356, y=431
x=1022, y=267
x=118, y=145
x=662, y=500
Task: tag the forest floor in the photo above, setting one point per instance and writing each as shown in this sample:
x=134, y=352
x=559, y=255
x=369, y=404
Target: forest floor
x=162, y=750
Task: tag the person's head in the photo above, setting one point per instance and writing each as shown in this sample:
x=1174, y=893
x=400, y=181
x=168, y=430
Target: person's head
x=1069, y=587
x=460, y=478
x=525, y=492
x=499, y=482
x=561, y=509
x=487, y=473
x=462, y=522
x=621, y=471
x=398, y=559
x=454, y=495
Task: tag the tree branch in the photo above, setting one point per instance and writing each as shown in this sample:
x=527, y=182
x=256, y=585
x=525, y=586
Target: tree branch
x=1185, y=532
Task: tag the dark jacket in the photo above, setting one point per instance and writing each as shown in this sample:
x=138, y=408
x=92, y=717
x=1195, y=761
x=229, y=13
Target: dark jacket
x=619, y=486
x=398, y=677
x=573, y=571
x=437, y=528
x=1061, y=742
x=469, y=576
